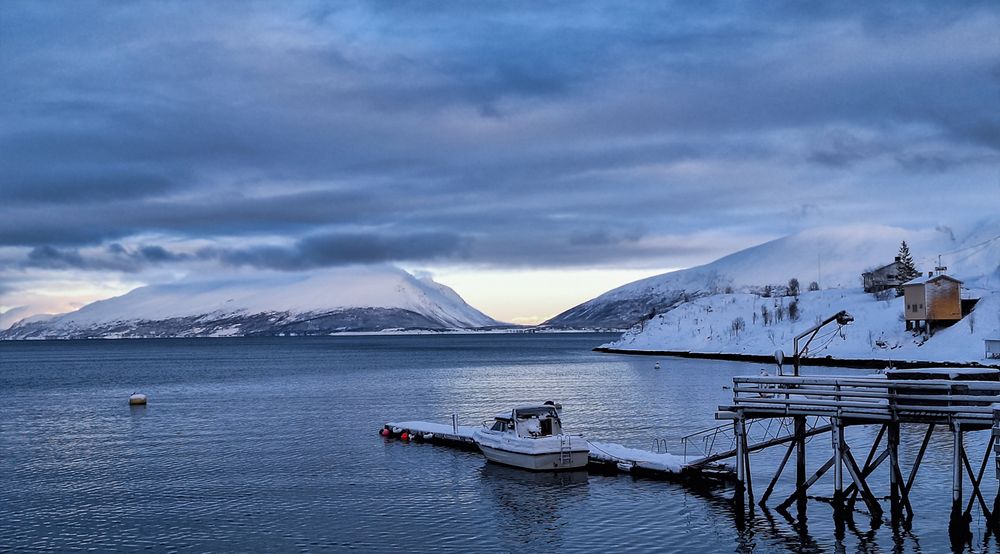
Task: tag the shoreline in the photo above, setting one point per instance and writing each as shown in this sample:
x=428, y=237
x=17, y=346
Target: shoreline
x=855, y=363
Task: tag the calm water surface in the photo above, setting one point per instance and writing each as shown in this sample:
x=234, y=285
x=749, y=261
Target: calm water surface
x=271, y=445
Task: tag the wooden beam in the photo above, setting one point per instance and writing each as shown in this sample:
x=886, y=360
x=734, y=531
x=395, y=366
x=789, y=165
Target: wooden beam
x=976, y=479
x=852, y=489
x=904, y=494
x=917, y=460
x=804, y=486
x=866, y=493
x=851, y=492
x=781, y=467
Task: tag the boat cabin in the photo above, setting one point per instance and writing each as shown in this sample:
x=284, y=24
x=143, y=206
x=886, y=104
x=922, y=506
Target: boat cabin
x=529, y=421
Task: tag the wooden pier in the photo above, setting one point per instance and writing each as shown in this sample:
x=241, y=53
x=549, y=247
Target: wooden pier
x=832, y=404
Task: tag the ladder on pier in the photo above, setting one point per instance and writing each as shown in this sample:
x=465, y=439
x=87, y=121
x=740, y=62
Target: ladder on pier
x=565, y=449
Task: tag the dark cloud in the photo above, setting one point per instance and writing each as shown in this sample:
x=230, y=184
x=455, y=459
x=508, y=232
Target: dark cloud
x=510, y=133
x=113, y=258
x=341, y=249
x=48, y=257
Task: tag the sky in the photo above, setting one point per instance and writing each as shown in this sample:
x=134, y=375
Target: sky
x=529, y=154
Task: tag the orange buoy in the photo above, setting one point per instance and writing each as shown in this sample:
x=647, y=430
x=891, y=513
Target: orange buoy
x=405, y=436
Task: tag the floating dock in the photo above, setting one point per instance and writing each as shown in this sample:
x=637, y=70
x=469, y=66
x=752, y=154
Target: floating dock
x=605, y=457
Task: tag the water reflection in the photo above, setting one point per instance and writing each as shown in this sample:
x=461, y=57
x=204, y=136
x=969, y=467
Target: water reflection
x=530, y=505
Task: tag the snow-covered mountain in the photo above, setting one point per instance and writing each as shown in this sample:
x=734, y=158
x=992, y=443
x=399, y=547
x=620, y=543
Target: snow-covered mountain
x=834, y=257
x=323, y=302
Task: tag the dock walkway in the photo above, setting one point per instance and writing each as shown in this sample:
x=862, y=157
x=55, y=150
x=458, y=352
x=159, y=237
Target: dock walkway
x=604, y=457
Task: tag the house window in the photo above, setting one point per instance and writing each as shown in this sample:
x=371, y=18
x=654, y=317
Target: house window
x=921, y=306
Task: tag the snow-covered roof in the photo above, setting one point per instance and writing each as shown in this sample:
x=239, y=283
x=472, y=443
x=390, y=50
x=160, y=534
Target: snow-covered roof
x=880, y=268
x=925, y=279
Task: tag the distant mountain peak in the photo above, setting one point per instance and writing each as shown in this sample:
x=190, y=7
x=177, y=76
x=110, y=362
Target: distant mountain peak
x=358, y=298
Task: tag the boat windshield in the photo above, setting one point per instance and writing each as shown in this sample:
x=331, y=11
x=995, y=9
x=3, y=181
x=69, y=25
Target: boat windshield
x=501, y=425
x=535, y=411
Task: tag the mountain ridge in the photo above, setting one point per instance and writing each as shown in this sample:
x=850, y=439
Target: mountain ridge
x=355, y=299
x=833, y=256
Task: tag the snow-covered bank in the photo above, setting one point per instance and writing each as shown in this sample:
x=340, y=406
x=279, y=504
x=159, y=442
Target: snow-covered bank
x=745, y=324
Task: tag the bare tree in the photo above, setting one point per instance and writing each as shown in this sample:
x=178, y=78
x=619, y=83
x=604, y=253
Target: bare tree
x=737, y=326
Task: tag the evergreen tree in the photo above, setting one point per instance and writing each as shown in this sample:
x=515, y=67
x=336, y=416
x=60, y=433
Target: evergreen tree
x=907, y=270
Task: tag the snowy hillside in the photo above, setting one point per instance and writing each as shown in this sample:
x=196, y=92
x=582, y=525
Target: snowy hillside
x=834, y=257
x=736, y=324
x=345, y=299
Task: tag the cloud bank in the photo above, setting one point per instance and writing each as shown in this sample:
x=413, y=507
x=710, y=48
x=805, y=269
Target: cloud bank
x=149, y=135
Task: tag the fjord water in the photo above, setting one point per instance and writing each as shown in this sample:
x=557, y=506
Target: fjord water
x=270, y=444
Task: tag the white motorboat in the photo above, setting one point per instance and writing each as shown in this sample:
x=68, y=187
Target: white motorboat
x=531, y=437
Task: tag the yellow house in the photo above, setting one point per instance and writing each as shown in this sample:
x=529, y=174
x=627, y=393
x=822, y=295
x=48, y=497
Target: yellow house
x=932, y=299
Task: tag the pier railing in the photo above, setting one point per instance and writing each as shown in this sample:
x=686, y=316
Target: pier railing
x=718, y=443
x=866, y=398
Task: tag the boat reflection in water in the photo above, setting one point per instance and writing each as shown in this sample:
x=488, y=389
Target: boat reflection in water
x=533, y=507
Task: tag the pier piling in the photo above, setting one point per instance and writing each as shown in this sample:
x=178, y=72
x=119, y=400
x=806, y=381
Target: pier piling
x=837, y=433
x=895, y=476
x=800, y=466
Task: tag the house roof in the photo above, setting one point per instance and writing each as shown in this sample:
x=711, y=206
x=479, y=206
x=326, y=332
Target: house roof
x=925, y=279
x=882, y=267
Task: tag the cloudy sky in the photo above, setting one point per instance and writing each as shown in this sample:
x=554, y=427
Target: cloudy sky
x=530, y=154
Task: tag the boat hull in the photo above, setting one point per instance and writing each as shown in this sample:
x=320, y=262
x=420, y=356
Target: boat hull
x=540, y=454
x=548, y=461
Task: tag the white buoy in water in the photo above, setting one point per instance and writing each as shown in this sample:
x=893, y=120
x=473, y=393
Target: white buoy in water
x=657, y=366
x=137, y=399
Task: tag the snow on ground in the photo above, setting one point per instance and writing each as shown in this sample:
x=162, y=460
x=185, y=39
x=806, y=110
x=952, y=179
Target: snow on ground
x=735, y=324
